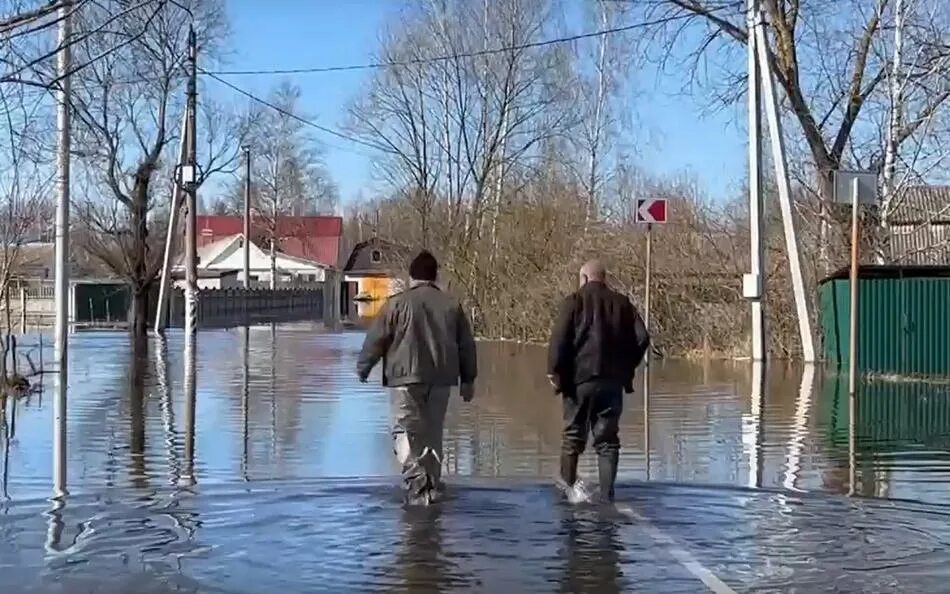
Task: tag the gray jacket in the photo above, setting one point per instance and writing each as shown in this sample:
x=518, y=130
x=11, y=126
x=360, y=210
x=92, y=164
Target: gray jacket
x=423, y=337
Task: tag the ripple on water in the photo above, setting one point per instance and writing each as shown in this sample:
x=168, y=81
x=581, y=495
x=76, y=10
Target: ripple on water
x=275, y=421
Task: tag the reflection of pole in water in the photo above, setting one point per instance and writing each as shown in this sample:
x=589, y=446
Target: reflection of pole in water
x=796, y=442
x=753, y=426
x=273, y=385
x=188, y=476
x=852, y=439
x=59, y=434
x=6, y=447
x=646, y=420
x=167, y=408
x=245, y=356
x=55, y=526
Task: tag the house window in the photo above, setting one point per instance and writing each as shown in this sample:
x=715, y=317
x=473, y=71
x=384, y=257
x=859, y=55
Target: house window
x=376, y=256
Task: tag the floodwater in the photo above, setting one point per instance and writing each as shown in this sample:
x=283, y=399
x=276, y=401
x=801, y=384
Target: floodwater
x=282, y=478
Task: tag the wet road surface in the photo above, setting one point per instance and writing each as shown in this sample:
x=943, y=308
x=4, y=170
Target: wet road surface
x=295, y=482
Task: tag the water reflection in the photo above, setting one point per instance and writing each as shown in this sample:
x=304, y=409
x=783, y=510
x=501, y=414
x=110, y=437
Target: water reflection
x=245, y=396
x=752, y=426
x=191, y=395
x=167, y=408
x=59, y=431
x=799, y=431
x=592, y=550
x=421, y=561
x=138, y=472
x=266, y=415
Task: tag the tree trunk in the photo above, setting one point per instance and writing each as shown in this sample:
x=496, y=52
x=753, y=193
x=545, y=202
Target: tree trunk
x=138, y=277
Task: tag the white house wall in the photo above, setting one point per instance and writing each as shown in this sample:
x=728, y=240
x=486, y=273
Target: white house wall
x=232, y=258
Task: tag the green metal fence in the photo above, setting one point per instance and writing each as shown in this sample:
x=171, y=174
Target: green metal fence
x=903, y=320
x=101, y=302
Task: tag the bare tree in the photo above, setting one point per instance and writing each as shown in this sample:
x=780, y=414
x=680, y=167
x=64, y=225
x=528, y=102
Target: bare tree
x=128, y=104
x=289, y=176
x=459, y=132
x=25, y=181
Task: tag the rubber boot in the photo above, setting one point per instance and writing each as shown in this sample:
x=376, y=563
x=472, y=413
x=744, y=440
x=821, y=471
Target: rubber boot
x=607, y=471
x=569, y=469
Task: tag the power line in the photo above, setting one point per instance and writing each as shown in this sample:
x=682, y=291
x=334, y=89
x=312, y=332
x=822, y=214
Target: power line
x=464, y=55
x=292, y=115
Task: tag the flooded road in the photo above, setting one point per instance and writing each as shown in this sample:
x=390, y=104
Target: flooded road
x=744, y=488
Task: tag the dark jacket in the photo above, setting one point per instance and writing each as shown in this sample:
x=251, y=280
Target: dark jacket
x=423, y=337
x=598, y=334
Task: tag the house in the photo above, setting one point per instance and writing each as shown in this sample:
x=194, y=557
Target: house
x=371, y=274
x=94, y=294
x=212, y=278
x=920, y=227
x=221, y=264
x=311, y=238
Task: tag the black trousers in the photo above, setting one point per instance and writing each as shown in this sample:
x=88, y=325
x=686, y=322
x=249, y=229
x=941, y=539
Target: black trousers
x=592, y=408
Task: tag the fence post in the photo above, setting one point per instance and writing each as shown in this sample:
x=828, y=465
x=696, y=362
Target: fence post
x=22, y=310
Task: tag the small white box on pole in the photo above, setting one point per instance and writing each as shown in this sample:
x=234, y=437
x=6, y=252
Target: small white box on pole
x=187, y=173
x=752, y=286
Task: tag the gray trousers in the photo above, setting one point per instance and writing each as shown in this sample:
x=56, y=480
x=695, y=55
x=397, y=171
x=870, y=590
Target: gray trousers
x=418, y=414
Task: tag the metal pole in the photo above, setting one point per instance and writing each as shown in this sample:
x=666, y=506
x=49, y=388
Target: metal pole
x=785, y=196
x=161, y=312
x=648, y=280
x=854, y=281
x=755, y=187
x=189, y=179
x=22, y=310
x=247, y=217
x=61, y=288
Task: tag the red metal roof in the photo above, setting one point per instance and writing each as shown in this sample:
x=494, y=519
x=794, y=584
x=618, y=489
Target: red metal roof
x=315, y=238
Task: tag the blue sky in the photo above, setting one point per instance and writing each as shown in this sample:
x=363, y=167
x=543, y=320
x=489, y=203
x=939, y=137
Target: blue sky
x=673, y=133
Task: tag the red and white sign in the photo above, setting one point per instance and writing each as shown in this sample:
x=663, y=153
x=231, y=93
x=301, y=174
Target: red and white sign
x=651, y=210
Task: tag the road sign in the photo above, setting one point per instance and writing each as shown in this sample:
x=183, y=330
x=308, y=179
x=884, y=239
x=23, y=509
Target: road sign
x=651, y=210
x=844, y=186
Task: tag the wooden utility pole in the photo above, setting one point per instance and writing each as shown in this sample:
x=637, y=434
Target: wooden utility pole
x=247, y=217
x=189, y=178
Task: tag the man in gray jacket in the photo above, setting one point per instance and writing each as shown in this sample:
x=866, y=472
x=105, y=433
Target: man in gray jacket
x=425, y=341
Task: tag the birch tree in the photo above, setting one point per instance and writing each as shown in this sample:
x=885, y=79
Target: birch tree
x=289, y=177
x=827, y=59
x=467, y=100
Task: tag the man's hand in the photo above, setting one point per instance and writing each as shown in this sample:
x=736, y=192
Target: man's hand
x=467, y=392
x=555, y=383
x=363, y=378
x=628, y=389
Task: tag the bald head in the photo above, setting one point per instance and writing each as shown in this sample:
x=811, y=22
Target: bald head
x=593, y=271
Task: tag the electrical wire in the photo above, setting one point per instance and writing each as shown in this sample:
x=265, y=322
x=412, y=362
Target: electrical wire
x=464, y=55
x=290, y=114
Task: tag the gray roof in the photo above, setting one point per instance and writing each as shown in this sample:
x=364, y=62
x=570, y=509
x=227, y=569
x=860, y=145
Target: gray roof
x=922, y=204
x=920, y=244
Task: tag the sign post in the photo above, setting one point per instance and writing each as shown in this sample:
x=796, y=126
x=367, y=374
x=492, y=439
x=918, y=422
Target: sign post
x=649, y=211
x=856, y=187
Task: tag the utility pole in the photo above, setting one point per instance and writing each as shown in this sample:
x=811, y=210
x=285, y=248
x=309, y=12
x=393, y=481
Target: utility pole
x=753, y=287
x=784, y=192
x=189, y=178
x=247, y=217
x=61, y=287
x=190, y=182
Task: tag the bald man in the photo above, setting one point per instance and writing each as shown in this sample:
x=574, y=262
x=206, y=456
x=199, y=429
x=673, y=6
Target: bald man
x=597, y=343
